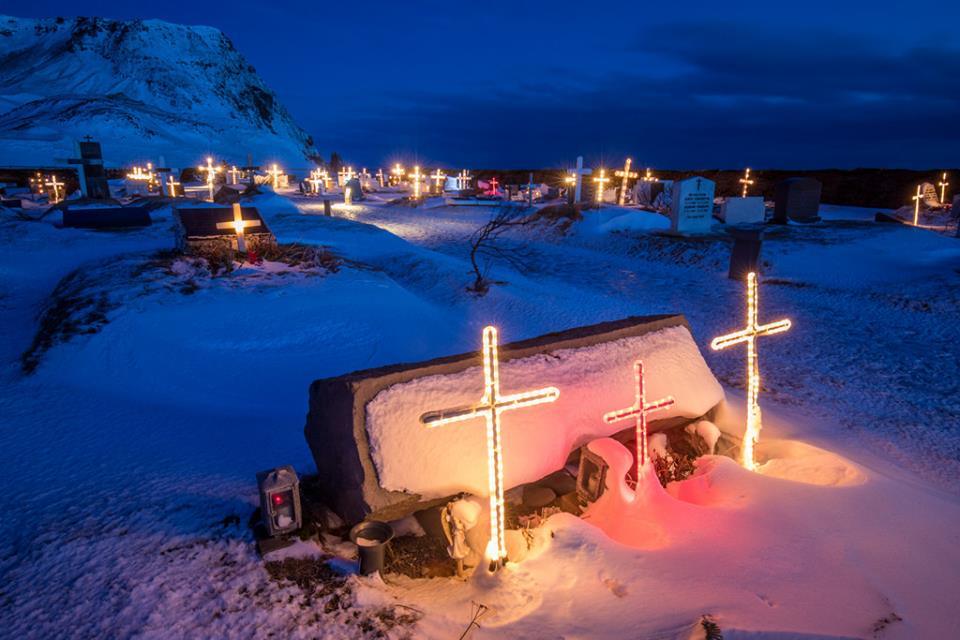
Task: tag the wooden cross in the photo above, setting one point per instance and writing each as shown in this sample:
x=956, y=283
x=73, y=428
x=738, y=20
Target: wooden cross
x=234, y=172
x=380, y=177
x=600, y=179
x=578, y=174
x=438, y=178
x=649, y=177
x=275, y=174
x=746, y=181
x=639, y=410
x=625, y=174
x=916, y=207
x=943, y=184
x=238, y=224
x=211, y=173
x=749, y=335
x=417, y=177
x=56, y=186
x=463, y=180
x=172, y=185
x=490, y=407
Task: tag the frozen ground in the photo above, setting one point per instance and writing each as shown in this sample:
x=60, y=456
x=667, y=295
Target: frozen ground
x=129, y=455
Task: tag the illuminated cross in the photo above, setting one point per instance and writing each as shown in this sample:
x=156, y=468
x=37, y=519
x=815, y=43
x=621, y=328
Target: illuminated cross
x=398, y=173
x=211, y=174
x=380, y=177
x=238, y=224
x=578, y=174
x=438, y=178
x=943, y=188
x=639, y=410
x=493, y=185
x=600, y=179
x=916, y=207
x=234, y=172
x=417, y=177
x=749, y=335
x=463, y=180
x=625, y=174
x=137, y=174
x=56, y=186
x=746, y=181
x=649, y=177
x=275, y=174
x=490, y=407
x=315, y=181
x=37, y=182
x=364, y=177
x=172, y=185
x=326, y=179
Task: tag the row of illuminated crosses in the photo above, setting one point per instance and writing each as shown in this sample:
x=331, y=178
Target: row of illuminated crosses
x=494, y=403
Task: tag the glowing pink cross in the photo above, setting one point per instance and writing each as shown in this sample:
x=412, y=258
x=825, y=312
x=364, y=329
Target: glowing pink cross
x=639, y=410
x=493, y=186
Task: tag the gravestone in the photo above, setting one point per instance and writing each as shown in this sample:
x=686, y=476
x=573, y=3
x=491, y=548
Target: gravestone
x=797, y=199
x=745, y=255
x=106, y=217
x=93, y=176
x=204, y=230
x=691, y=208
x=929, y=196
x=356, y=191
x=11, y=203
x=749, y=210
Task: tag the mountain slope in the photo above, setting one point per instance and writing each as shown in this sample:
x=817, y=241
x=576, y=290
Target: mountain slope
x=144, y=88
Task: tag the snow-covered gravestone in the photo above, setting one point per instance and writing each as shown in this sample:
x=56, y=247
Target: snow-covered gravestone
x=930, y=196
x=691, y=210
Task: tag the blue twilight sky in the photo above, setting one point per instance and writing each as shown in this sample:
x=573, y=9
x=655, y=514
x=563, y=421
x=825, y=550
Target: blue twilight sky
x=801, y=84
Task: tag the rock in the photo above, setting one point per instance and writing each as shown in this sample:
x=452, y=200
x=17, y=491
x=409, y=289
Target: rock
x=561, y=482
x=535, y=496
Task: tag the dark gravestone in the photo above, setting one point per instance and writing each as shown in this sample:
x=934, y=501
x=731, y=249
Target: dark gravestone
x=11, y=203
x=93, y=177
x=107, y=218
x=327, y=208
x=745, y=255
x=797, y=199
x=356, y=191
x=207, y=229
x=226, y=195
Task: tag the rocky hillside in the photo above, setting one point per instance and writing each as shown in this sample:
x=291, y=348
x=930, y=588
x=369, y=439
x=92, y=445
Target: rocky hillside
x=145, y=89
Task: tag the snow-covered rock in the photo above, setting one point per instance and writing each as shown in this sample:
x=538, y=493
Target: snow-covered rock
x=144, y=88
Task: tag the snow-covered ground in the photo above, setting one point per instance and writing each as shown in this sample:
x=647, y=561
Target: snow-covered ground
x=129, y=455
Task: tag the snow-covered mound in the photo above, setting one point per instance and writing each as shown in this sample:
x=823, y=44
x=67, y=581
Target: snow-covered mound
x=144, y=88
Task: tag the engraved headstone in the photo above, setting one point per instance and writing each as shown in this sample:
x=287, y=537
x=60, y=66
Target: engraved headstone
x=691, y=209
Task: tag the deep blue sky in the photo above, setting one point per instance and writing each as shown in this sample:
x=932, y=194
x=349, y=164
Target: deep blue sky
x=801, y=84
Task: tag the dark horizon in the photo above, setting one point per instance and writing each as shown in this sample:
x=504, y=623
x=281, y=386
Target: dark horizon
x=518, y=87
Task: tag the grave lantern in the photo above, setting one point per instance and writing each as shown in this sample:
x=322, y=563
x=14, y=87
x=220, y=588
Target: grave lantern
x=591, y=476
x=280, y=500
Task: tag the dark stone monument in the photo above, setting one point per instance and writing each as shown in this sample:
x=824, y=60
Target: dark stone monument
x=11, y=203
x=107, y=217
x=226, y=195
x=93, y=177
x=203, y=230
x=356, y=191
x=797, y=199
x=745, y=255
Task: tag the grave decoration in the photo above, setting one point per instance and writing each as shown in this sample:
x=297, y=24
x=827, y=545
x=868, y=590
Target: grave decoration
x=211, y=172
x=213, y=230
x=601, y=180
x=279, y=491
x=797, y=199
x=463, y=180
x=917, y=199
x=490, y=407
x=578, y=174
x=234, y=175
x=625, y=175
x=275, y=173
x=397, y=174
x=930, y=197
x=943, y=184
x=375, y=459
x=55, y=186
x=380, y=178
x=417, y=179
x=691, y=207
x=749, y=335
x=746, y=181
x=173, y=187
x=439, y=178
x=649, y=177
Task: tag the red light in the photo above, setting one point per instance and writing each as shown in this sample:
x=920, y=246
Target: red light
x=277, y=499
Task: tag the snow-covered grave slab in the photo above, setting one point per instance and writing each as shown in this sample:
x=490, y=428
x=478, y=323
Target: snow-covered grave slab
x=374, y=457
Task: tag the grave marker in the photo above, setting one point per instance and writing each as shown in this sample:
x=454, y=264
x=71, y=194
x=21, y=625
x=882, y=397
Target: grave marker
x=691, y=208
x=625, y=174
x=797, y=199
x=211, y=174
x=600, y=180
x=746, y=181
x=578, y=174
x=943, y=188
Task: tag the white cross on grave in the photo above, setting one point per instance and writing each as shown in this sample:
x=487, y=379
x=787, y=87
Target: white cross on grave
x=275, y=174
x=463, y=180
x=380, y=178
x=397, y=172
x=172, y=185
x=211, y=175
x=417, y=177
x=490, y=407
x=315, y=182
x=56, y=187
x=234, y=173
x=625, y=174
x=649, y=177
x=600, y=180
x=438, y=178
x=943, y=184
x=916, y=207
x=239, y=225
x=578, y=174
x=746, y=181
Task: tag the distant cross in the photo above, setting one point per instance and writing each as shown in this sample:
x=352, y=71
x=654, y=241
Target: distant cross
x=326, y=179
x=211, y=174
x=417, y=177
x=916, y=207
x=315, y=183
x=530, y=187
x=578, y=174
x=493, y=185
x=350, y=174
x=600, y=180
x=746, y=181
x=943, y=189
x=37, y=182
x=172, y=185
x=649, y=177
x=625, y=174
x=463, y=180
x=438, y=178
x=137, y=173
x=239, y=225
x=380, y=177
x=490, y=407
x=639, y=411
x=234, y=172
x=749, y=336
x=52, y=182
x=364, y=177
x=275, y=174
x=397, y=173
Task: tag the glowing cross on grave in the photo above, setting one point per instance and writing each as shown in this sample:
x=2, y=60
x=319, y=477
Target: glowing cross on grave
x=943, y=188
x=463, y=180
x=326, y=179
x=639, y=410
x=600, y=179
x=578, y=174
x=749, y=335
x=172, y=185
x=234, y=173
x=493, y=185
x=746, y=181
x=649, y=177
x=211, y=174
x=490, y=407
x=315, y=182
x=275, y=174
x=417, y=178
x=438, y=178
x=238, y=224
x=56, y=186
x=398, y=173
x=380, y=177
x=916, y=207
x=625, y=174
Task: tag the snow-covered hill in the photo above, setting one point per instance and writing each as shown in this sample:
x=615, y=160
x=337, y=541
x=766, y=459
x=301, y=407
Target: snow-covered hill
x=145, y=89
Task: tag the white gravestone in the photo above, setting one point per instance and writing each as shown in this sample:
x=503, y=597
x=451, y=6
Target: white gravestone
x=691, y=209
x=747, y=210
x=930, y=196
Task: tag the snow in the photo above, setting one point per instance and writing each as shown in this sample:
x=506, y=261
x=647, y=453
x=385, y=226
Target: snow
x=592, y=381
x=129, y=456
